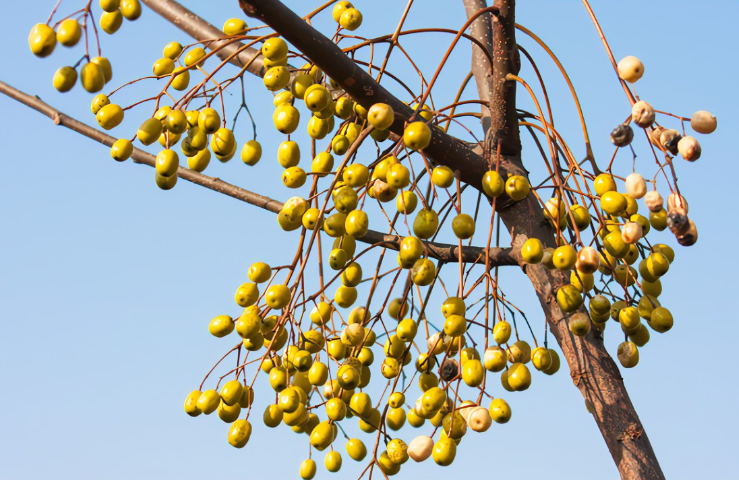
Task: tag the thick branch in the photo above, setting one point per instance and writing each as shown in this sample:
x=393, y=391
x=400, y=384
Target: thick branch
x=481, y=29
x=504, y=121
x=361, y=86
x=201, y=30
x=441, y=251
x=593, y=370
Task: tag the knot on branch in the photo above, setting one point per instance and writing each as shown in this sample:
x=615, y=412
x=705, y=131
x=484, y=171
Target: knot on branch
x=578, y=376
x=632, y=432
x=248, y=9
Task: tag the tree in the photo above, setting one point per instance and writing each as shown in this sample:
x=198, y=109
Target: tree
x=492, y=37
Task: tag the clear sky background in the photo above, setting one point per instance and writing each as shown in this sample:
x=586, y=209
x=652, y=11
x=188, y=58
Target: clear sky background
x=107, y=283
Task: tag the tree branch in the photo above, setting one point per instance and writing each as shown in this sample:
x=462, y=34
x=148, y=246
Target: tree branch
x=481, y=29
x=440, y=251
x=201, y=30
x=363, y=89
x=592, y=369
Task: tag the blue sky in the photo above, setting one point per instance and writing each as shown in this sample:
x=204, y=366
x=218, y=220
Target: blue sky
x=107, y=283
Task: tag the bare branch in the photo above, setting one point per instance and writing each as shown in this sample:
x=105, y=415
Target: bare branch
x=201, y=30
x=441, y=251
x=481, y=29
x=363, y=89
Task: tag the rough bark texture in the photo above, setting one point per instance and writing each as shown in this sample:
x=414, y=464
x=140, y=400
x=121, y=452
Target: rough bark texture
x=592, y=369
x=481, y=29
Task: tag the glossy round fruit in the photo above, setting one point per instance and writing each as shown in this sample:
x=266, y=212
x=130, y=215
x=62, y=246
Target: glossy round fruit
x=356, y=449
x=98, y=102
x=121, y=150
x=68, y=32
x=380, y=116
x=163, y=66
x=569, y=298
x=493, y=184
x=104, y=63
x=463, y=226
x=532, y=251
x=64, y=79
x=274, y=48
x=167, y=162
x=277, y=297
x=164, y=182
x=340, y=8
x=564, y=257
x=425, y=224
x=92, y=77
x=517, y=187
x=234, y=26
x=661, y=320
x=628, y=354
x=208, y=401
x=110, y=22
x=42, y=40
x=110, y=116
x=442, y=176
x=131, y=9
x=350, y=19
x=195, y=57
x=308, y=469
x=333, y=461
x=172, y=50
x=286, y=118
x=417, y=135
x=221, y=326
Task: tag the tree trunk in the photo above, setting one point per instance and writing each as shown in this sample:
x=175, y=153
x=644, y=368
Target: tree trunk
x=592, y=369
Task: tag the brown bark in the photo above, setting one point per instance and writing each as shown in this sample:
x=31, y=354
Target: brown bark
x=592, y=369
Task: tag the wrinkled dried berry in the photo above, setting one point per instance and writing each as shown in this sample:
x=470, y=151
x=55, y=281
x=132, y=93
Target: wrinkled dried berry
x=622, y=136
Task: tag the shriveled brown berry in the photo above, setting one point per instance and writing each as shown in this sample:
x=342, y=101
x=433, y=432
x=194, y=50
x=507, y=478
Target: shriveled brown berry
x=678, y=223
x=622, y=136
x=690, y=237
x=587, y=260
x=689, y=148
x=449, y=369
x=654, y=136
x=669, y=139
x=654, y=201
x=642, y=114
x=631, y=232
x=677, y=201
